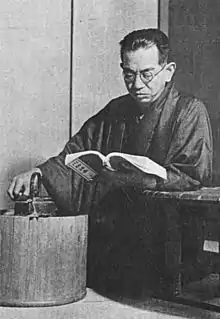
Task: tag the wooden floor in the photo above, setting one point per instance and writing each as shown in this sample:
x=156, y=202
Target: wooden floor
x=97, y=306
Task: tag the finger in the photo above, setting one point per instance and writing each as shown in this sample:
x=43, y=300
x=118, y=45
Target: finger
x=26, y=191
x=11, y=189
x=18, y=187
x=109, y=168
x=107, y=174
x=128, y=166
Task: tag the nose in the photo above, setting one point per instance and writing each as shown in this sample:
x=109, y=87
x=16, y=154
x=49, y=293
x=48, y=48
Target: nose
x=138, y=83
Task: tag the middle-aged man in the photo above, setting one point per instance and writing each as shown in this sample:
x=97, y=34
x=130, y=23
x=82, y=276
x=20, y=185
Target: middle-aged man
x=153, y=120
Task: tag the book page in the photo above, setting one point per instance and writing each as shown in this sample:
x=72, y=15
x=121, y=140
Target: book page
x=143, y=163
x=70, y=157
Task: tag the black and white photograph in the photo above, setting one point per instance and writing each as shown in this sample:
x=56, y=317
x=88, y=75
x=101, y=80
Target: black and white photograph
x=110, y=152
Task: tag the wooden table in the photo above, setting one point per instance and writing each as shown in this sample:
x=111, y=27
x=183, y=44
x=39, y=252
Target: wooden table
x=192, y=235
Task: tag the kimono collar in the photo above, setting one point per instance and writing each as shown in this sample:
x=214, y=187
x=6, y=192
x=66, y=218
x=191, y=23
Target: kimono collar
x=159, y=102
x=137, y=114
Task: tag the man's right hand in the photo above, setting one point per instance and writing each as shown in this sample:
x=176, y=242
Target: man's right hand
x=20, y=184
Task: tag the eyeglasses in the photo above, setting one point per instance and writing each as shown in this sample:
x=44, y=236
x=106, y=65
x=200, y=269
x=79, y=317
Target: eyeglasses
x=146, y=76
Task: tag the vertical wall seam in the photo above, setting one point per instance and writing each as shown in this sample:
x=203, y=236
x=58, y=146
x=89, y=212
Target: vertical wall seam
x=159, y=14
x=71, y=67
x=163, y=15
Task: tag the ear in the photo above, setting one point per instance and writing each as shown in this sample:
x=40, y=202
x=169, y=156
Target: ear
x=169, y=71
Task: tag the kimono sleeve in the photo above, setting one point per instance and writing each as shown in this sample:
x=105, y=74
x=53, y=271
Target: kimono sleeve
x=61, y=183
x=189, y=159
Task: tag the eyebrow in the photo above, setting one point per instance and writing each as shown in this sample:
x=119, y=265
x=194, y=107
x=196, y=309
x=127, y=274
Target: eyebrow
x=144, y=70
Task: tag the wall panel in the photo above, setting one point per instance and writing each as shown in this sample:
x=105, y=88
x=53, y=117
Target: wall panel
x=99, y=25
x=194, y=30
x=34, y=84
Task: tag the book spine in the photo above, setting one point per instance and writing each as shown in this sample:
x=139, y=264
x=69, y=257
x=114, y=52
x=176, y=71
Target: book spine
x=83, y=169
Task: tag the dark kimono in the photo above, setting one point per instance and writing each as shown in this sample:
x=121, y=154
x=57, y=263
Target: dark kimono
x=174, y=132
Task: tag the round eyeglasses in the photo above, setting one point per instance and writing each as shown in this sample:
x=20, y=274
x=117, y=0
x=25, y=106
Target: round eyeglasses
x=145, y=75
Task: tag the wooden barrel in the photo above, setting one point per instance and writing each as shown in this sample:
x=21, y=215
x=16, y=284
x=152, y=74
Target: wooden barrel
x=42, y=260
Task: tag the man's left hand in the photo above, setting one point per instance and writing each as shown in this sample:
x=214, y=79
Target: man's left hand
x=130, y=176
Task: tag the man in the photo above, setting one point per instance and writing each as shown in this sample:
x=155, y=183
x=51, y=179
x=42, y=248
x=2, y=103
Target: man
x=153, y=120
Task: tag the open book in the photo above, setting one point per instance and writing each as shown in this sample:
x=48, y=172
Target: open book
x=88, y=164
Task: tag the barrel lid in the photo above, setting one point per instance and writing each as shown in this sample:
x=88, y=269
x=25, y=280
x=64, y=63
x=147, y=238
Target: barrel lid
x=7, y=212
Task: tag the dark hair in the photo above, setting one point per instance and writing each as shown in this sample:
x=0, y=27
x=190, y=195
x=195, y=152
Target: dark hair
x=146, y=38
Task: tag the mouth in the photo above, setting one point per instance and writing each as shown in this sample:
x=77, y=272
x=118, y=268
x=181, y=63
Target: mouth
x=142, y=95
x=140, y=92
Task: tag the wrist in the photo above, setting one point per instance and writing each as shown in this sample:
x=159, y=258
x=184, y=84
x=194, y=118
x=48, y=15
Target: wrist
x=37, y=170
x=148, y=182
x=152, y=183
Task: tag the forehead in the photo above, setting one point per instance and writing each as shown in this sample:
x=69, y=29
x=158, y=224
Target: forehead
x=141, y=58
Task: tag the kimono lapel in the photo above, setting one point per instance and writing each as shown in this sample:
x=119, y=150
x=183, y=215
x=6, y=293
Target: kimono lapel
x=143, y=131
x=164, y=130
x=115, y=137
